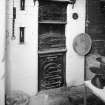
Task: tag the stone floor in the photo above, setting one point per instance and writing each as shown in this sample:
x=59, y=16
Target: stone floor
x=65, y=96
x=60, y=96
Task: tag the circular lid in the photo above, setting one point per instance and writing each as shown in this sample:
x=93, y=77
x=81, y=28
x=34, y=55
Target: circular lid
x=82, y=44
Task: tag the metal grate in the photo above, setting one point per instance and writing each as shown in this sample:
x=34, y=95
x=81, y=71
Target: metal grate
x=51, y=71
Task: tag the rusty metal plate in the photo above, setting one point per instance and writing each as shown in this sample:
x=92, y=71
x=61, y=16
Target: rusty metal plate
x=82, y=44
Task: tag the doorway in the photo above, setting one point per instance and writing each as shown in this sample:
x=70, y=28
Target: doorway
x=95, y=24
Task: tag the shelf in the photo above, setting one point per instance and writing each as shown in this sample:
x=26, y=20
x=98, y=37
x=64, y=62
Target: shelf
x=52, y=51
x=58, y=0
x=62, y=1
x=52, y=22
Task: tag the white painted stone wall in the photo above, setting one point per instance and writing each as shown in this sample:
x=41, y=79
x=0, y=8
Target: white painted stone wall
x=2, y=50
x=22, y=58
x=22, y=70
x=74, y=62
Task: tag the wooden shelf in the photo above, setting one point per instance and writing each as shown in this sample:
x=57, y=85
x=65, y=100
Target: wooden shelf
x=52, y=22
x=52, y=51
x=62, y=1
x=58, y=0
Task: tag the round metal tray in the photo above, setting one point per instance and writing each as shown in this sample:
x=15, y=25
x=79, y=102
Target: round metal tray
x=82, y=44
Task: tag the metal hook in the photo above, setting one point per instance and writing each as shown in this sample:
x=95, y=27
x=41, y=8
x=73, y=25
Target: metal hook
x=34, y=1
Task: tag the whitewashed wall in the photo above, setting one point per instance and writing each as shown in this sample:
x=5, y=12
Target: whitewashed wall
x=22, y=59
x=2, y=49
x=74, y=62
